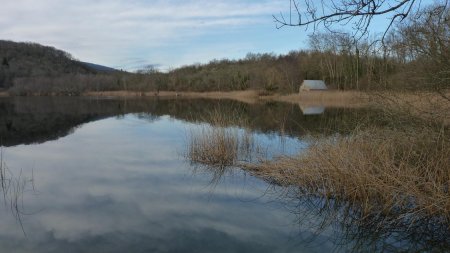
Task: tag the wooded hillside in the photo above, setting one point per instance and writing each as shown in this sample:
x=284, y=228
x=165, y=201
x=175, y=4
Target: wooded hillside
x=20, y=60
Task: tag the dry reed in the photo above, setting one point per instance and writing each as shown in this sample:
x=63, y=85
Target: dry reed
x=218, y=144
x=377, y=172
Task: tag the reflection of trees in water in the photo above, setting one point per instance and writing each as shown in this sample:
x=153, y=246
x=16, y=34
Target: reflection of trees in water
x=25, y=120
x=13, y=188
x=351, y=231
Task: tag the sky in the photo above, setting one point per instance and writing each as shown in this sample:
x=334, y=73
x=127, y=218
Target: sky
x=134, y=33
x=131, y=34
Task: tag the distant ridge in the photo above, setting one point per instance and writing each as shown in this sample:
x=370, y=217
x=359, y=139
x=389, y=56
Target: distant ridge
x=99, y=68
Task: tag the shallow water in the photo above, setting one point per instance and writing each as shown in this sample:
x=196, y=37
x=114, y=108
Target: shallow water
x=90, y=175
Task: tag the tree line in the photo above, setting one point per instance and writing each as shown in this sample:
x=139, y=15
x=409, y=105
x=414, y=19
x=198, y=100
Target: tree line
x=414, y=55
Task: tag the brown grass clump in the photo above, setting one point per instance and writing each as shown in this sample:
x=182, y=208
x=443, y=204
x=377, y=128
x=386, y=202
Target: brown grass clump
x=218, y=146
x=377, y=172
x=213, y=146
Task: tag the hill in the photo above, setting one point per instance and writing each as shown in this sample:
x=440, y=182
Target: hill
x=24, y=60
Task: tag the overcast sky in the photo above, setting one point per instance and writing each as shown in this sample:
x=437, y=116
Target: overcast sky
x=129, y=34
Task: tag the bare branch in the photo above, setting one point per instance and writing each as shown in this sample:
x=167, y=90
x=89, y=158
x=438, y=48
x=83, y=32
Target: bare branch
x=359, y=13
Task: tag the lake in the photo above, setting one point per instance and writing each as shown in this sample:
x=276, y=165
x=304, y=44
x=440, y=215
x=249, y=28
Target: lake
x=111, y=175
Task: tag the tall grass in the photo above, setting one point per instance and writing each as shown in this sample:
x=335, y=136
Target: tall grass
x=376, y=171
x=218, y=146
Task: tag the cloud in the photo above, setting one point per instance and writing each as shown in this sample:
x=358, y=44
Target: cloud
x=128, y=185
x=110, y=32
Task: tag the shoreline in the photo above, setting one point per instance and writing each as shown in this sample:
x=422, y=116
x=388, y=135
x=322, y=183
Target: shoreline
x=328, y=98
x=315, y=98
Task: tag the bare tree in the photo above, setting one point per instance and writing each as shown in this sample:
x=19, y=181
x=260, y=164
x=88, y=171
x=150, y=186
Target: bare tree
x=358, y=13
x=426, y=41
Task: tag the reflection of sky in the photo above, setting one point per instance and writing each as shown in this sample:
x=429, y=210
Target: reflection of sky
x=312, y=110
x=121, y=185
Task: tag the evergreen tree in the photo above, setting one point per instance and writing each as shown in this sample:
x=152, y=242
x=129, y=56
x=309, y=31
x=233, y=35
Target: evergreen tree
x=5, y=62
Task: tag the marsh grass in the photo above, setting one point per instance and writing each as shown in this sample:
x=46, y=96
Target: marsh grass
x=387, y=185
x=409, y=107
x=374, y=176
x=219, y=146
x=378, y=172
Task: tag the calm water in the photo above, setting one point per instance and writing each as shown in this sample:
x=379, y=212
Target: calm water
x=88, y=175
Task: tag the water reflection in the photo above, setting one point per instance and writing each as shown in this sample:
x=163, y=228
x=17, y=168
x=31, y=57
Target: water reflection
x=119, y=184
x=353, y=232
x=27, y=120
x=111, y=179
x=312, y=110
x=349, y=227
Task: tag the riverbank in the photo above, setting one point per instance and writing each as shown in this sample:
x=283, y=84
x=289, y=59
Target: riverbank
x=249, y=96
x=319, y=98
x=421, y=102
x=428, y=104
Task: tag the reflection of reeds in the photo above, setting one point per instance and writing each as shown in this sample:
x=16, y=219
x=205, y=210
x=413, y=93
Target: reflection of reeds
x=13, y=189
x=353, y=231
x=220, y=117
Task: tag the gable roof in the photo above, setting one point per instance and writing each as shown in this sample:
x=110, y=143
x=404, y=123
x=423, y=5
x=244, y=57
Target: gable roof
x=313, y=85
